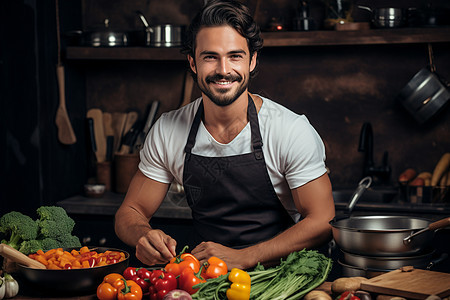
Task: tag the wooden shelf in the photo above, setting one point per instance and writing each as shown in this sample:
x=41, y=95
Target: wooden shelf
x=363, y=37
x=124, y=53
x=277, y=39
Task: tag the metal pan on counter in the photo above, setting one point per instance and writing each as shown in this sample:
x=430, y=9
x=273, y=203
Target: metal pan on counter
x=385, y=235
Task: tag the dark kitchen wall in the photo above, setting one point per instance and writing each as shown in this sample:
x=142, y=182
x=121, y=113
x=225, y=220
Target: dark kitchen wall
x=35, y=169
x=337, y=87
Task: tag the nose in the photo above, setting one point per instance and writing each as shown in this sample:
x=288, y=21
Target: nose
x=223, y=66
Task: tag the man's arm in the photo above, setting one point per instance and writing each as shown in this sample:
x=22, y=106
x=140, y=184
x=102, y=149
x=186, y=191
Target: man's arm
x=314, y=201
x=132, y=226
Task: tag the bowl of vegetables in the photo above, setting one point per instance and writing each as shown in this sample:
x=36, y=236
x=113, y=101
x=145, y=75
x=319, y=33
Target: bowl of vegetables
x=73, y=271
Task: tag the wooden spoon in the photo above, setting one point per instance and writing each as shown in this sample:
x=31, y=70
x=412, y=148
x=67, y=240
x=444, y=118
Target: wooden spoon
x=20, y=258
x=65, y=130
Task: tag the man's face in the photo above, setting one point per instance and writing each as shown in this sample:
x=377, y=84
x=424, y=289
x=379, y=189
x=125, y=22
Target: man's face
x=222, y=64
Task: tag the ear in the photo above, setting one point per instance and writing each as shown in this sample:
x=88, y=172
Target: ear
x=192, y=64
x=253, y=62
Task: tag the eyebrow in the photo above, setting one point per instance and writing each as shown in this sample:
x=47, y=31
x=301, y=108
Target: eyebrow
x=215, y=53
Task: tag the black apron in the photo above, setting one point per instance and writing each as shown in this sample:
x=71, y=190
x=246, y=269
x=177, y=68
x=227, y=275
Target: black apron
x=232, y=199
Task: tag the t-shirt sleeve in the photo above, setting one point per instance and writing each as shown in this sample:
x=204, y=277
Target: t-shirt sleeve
x=152, y=156
x=304, y=155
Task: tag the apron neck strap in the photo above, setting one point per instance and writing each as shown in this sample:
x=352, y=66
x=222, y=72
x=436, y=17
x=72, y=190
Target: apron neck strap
x=254, y=125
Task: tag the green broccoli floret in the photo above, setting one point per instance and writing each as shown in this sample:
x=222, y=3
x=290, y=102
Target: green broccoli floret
x=19, y=227
x=33, y=246
x=69, y=241
x=49, y=243
x=54, y=222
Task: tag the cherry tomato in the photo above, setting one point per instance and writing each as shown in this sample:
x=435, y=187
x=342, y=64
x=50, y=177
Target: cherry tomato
x=129, y=273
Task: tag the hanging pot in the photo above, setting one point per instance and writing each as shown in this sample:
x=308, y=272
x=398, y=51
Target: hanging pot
x=426, y=94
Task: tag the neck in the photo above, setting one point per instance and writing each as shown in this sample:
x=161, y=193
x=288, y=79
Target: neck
x=224, y=123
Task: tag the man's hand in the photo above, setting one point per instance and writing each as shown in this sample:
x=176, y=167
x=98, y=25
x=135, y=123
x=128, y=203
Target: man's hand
x=155, y=247
x=234, y=258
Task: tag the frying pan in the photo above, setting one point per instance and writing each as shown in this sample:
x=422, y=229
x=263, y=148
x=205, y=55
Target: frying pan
x=74, y=281
x=385, y=235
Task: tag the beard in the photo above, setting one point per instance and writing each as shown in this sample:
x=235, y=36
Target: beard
x=225, y=96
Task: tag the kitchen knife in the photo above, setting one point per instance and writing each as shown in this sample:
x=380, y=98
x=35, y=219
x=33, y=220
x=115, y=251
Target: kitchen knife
x=99, y=133
x=148, y=124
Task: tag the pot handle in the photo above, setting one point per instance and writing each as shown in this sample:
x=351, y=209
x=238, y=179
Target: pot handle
x=432, y=263
x=363, y=185
x=365, y=8
x=431, y=58
x=432, y=227
x=144, y=20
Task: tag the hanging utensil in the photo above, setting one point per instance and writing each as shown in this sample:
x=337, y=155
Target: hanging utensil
x=66, y=134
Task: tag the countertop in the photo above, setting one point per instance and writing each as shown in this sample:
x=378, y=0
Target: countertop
x=326, y=287
x=175, y=206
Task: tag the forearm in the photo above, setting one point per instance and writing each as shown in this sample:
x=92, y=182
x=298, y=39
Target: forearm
x=308, y=233
x=130, y=225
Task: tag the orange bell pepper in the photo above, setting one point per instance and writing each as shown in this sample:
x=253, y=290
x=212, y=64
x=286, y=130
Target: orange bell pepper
x=130, y=291
x=108, y=289
x=214, y=267
x=181, y=262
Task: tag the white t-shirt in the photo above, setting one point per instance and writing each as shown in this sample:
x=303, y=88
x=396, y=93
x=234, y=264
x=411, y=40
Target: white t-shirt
x=293, y=151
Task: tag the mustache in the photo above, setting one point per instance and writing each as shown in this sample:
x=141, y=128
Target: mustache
x=217, y=77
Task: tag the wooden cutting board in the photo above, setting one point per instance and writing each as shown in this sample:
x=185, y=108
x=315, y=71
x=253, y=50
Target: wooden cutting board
x=415, y=284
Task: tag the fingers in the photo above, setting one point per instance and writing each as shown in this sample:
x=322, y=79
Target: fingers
x=155, y=247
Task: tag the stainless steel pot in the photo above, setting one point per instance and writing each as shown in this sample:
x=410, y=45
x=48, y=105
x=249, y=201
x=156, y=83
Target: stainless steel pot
x=161, y=35
x=354, y=266
x=388, y=262
x=104, y=37
x=426, y=94
x=384, y=235
x=386, y=17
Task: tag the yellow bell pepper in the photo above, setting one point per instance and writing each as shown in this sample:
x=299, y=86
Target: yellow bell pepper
x=241, y=285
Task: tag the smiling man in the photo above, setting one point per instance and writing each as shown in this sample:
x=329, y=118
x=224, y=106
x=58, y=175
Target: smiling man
x=253, y=171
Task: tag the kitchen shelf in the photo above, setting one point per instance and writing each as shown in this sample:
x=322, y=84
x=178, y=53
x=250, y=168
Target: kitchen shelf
x=277, y=39
x=361, y=37
x=124, y=53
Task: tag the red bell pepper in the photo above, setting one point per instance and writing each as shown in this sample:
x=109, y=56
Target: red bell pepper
x=348, y=295
x=214, y=267
x=188, y=278
x=139, y=275
x=182, y=261
x=161, y=283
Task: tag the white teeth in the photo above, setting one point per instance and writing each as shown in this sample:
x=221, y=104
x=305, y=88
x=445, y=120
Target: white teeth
x=224, y=83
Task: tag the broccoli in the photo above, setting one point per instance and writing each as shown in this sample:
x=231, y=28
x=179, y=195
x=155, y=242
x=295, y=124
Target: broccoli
x=54, y=222
x=33, y=246
x=69, y=241
x=19, y=227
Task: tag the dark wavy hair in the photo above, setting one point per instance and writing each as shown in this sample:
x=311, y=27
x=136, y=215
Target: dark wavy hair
x=225, y=12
